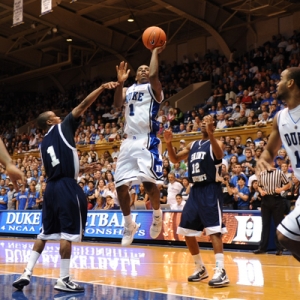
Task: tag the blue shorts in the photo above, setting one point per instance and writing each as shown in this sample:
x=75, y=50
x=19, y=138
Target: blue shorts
x=64, y=211
x=203, y=210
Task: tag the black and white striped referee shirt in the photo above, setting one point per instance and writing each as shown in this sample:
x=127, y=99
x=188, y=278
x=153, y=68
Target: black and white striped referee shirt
x=270, y=180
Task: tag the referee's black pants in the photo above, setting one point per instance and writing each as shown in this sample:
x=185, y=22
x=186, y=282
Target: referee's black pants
x=271, y=206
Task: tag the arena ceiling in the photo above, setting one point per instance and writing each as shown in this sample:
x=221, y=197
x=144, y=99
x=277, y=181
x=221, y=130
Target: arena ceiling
x=100, y=30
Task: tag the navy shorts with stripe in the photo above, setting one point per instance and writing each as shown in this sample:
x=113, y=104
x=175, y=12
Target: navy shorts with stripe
x=202, y=209
x=64, y=208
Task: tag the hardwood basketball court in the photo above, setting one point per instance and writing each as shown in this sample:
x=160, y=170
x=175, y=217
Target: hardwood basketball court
x=110, y=271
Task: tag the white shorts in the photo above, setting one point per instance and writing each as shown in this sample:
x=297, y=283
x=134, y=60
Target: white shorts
x=290, y=225
x=139, y=161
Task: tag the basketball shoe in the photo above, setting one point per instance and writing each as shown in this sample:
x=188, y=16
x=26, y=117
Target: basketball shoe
x=198, y=275
x=219, y=279
x=128, y=234
x=67, y=285
x=23, y=280
x=156, y=226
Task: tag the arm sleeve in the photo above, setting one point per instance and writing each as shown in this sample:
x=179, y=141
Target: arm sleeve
x=68, y=127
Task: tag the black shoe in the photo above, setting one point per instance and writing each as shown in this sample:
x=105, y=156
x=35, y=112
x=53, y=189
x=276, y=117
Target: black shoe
x=259, y=251
x=219, y=279
x=198, y=275
x=66, y=285
x=279, y=253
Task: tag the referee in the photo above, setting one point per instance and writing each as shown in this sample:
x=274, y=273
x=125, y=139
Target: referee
x=270, y=185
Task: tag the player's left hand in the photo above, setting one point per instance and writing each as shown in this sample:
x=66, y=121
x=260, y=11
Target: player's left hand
x=160, y=49
x=16, y=175
x=209, y=125
x=92, y=167
x=110, y=85
x=168, y=135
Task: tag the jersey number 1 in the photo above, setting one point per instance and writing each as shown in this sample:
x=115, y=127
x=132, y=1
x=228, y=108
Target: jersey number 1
x=54, y=160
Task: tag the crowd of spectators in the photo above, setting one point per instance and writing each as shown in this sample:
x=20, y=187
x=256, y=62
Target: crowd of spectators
x=244, y=93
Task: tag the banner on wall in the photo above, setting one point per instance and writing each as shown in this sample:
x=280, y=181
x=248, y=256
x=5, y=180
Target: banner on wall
x=18, y=12
x=46, y=6
x=243, y=228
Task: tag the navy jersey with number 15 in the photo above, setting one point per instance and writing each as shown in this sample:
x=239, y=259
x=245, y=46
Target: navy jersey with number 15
x=202, y=165
x=58, y=145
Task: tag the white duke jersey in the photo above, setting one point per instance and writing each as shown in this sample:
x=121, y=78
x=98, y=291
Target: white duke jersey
x=290, y=137
x=141, y=109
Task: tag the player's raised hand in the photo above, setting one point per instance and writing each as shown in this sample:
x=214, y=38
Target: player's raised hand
x=160, y=49
x=262, y=165
x=168, y=135
x=122, y=72
x=209, y=124
x=110, y=85
x=16, y=175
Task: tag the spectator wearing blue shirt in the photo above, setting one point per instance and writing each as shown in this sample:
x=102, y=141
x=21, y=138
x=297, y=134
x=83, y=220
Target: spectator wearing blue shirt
x=239, y=152
x=228, y=152
x=3, y=199
x=238, y=172
x=33, y=194
x=22, y=198
x=241, y=194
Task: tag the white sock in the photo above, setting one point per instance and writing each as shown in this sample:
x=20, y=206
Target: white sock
x=198, y=261
x=64, y=268
x=157, y=212
x=128, y=220
x=219, y=260
x=34, y=256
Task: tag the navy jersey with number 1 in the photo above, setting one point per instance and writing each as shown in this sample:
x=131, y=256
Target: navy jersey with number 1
x=58, y=145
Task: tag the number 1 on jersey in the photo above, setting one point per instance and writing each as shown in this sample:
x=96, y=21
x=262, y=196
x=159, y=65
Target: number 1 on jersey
x=131, y=110
x=54, y=160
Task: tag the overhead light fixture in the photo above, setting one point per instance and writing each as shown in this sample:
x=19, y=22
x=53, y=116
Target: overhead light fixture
x=54, y=29
x=130, y=19
x=69, y=39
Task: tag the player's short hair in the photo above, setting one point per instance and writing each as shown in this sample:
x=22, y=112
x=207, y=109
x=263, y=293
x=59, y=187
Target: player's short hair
x=42, y=119
x=294, y=73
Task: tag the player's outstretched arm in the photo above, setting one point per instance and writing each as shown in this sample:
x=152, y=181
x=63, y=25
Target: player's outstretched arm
x=271, y=149
x=120, y=92
x=14, y=173
x=175, y=157
x=215, y=144
x=154, y=72
x=89, y=100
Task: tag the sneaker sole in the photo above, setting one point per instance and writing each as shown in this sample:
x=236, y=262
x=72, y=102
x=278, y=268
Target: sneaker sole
x=135, y=230
x=65, y=289
x=20, y=284
x=197, y=280
x=221, y=284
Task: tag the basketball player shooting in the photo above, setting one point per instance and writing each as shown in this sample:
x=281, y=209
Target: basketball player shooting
x=139, y=159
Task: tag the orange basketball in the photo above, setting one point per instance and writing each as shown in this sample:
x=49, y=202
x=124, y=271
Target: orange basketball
x=154, y=37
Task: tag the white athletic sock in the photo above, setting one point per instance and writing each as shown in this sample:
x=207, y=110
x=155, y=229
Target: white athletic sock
x=198, y=261
x=128, y=220
x=64, y=268
x=34, y=256
x=157, y=212
x=219, y=260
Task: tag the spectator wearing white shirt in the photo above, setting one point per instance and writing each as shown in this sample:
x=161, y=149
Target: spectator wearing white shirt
x=115, y=152
x=180, y=203
x=221, y=123
x=174, y=188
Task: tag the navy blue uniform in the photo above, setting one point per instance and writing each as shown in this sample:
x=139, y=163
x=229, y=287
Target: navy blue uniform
x=65, y=205
x=203, y=209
